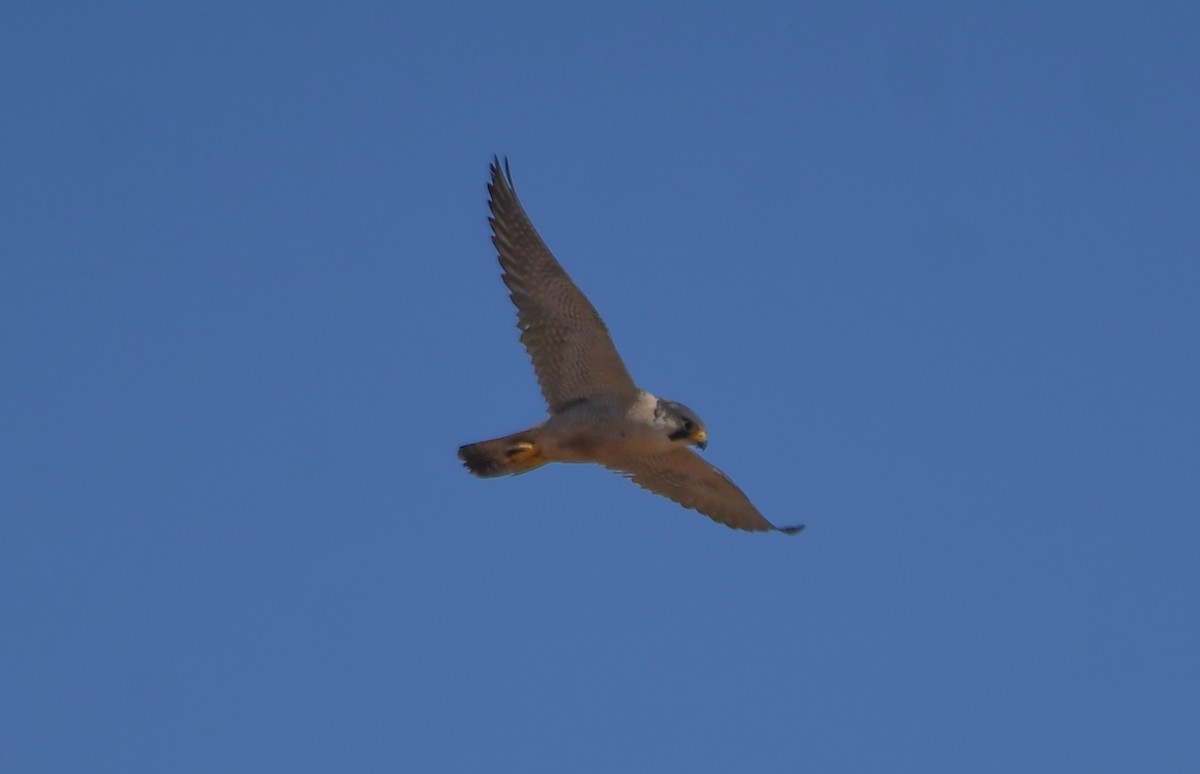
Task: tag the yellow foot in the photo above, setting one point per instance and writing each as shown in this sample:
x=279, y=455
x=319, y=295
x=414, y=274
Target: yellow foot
x=519, y=451
x=523, y=454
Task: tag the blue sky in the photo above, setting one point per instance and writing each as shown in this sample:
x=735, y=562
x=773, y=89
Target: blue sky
x=928, y=271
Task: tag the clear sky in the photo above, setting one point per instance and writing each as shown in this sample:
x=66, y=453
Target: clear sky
x=930, y=272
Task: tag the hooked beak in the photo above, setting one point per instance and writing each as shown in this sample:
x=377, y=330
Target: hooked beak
x=700, y=440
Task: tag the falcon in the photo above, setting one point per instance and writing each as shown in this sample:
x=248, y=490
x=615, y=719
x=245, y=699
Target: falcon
x=597, y=412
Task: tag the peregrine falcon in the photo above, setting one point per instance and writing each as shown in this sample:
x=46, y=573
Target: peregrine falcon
x=597, y=413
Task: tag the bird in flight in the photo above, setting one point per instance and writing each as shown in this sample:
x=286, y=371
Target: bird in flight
x=597, y=413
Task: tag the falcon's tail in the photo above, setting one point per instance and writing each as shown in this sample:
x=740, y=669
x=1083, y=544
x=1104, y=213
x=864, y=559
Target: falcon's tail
x=516, y=453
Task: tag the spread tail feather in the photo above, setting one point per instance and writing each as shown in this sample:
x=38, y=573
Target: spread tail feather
x=516, y=453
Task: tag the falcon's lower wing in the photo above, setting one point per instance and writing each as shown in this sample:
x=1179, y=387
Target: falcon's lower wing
x=684, y=477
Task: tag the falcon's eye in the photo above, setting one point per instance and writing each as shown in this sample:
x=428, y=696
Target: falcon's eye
x=687, y=425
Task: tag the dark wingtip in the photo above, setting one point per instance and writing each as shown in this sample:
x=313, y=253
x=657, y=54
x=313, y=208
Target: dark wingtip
x=791, y=530
x=501, y=173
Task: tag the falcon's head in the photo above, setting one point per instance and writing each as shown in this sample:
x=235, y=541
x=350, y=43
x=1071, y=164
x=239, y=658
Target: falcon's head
x=680, y=423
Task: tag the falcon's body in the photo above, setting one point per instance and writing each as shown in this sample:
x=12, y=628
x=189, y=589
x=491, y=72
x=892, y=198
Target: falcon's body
x=604, y=429
x=597, y=413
